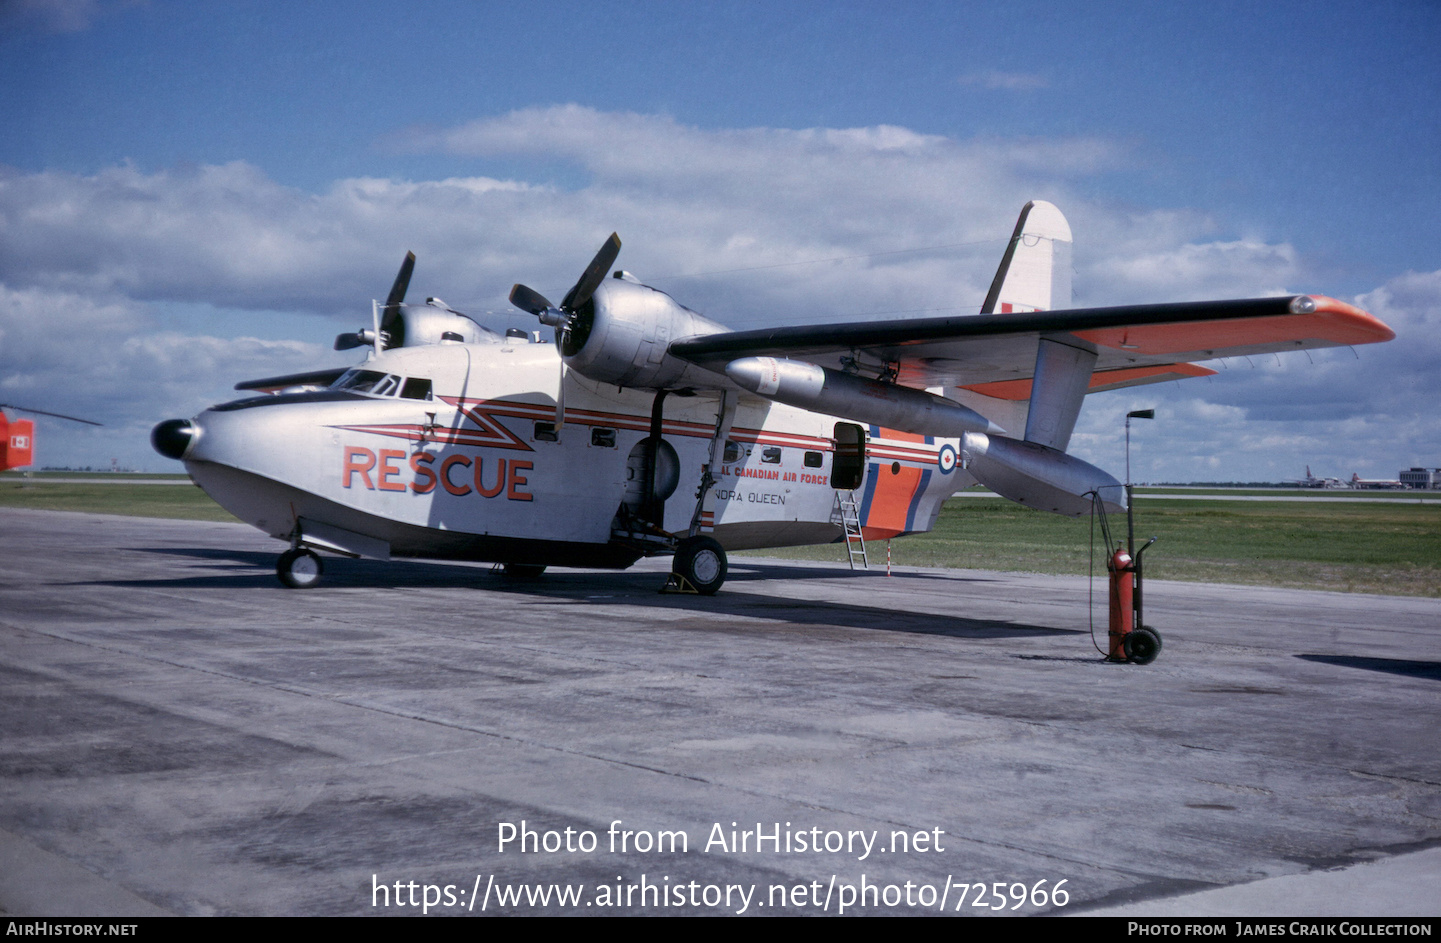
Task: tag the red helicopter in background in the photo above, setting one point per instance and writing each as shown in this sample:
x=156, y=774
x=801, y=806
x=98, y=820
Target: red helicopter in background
x=17, y=436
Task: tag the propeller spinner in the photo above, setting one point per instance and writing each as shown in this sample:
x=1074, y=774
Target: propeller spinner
x=562, y=318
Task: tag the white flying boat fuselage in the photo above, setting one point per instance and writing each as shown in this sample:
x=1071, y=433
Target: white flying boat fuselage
x=432, y=452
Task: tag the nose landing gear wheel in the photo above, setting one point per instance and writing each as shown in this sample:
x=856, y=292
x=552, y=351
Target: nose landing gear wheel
x=299, y=568
x=1142, y=645
x=701, y=561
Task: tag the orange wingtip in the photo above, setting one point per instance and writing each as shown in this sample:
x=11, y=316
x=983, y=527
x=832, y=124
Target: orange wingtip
x=1377, y=330
x=1332, y=324
x=1101, y=380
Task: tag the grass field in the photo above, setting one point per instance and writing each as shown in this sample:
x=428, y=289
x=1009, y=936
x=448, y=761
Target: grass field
x=70, y=475
x=133, y=500
x=1370, y=546
x=1380, y=494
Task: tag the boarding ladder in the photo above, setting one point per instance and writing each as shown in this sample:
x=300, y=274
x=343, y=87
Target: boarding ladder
x=850, y=519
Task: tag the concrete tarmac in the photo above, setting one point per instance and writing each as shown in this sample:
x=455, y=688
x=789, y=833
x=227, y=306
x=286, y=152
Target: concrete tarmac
x=180, y=734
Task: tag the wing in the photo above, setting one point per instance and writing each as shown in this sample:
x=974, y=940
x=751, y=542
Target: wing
x=996, y=354
x=1018, y=371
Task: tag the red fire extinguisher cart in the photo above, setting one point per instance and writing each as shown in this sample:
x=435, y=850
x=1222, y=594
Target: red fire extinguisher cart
x=1131, y=640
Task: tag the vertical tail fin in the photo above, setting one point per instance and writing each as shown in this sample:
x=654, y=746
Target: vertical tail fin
x=1035, y=272
x=1035, y=275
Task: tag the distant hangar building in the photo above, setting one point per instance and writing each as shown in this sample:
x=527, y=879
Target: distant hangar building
x=1421, y=478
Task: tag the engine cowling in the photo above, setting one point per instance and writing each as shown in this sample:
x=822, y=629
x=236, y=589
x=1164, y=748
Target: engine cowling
x=620, y=336
x=428, y=324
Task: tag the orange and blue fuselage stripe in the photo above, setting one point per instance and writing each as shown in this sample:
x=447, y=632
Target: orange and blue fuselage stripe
x=893, y=491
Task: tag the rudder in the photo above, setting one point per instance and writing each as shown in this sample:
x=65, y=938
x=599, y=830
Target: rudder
x=1035, y=272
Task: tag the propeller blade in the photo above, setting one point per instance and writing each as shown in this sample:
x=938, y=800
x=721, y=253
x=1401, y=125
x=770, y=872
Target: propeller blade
x=390, y=320
x=528, y=299
x=593, y=275
x=41, y=412
x=347, y=341
x=402, y=281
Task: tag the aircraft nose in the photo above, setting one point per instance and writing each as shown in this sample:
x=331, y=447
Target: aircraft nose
x=172, y=437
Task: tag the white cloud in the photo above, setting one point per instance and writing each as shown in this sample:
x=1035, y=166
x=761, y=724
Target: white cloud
x=1211, y=269
x=103, y=359
x=1006, y=81
x=49, y=16
x=92, y=265
x=1368, y=410
x=686, y=200
x=228, y=235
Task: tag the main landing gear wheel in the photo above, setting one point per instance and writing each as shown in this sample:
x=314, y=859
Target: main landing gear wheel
x=701, y=562
x=299, y=568
x=1142, y=645
x=523, y=571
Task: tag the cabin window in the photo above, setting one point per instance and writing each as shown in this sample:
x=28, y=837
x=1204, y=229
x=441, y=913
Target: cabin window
x=546, y=432
x=815, y=459
x=771, y=455
x=732, y=452
x=602, y=438
x=416, y=388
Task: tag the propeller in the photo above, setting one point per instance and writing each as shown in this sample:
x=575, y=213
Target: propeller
x=390, y=331
x=41, y=412
x=392, y=325
x=563, y=318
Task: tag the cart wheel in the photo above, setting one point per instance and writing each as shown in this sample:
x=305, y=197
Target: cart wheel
x=702, y=561
x=1142, y=645
x=299, y=568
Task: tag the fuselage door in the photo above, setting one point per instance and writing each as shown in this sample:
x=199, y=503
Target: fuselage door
x=651, y=477
x=849, y=466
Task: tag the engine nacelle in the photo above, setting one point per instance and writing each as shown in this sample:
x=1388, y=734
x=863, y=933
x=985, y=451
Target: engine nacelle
x=1037, y=476
x=426, y=324
x=621, y=335
x=813, y=387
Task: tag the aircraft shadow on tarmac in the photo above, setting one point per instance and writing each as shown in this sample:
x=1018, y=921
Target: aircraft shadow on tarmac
x=240, y=569
x=1430, y=670
x=449, y=573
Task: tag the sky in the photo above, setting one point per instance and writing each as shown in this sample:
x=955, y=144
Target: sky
x=192, y=195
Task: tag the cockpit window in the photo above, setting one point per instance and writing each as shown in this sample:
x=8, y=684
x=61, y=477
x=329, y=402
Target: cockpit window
x=416, y=388
x=368, y=381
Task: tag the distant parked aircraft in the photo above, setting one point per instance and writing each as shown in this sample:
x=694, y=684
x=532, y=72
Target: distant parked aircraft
x=1311, y=481
x=1358, y=482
